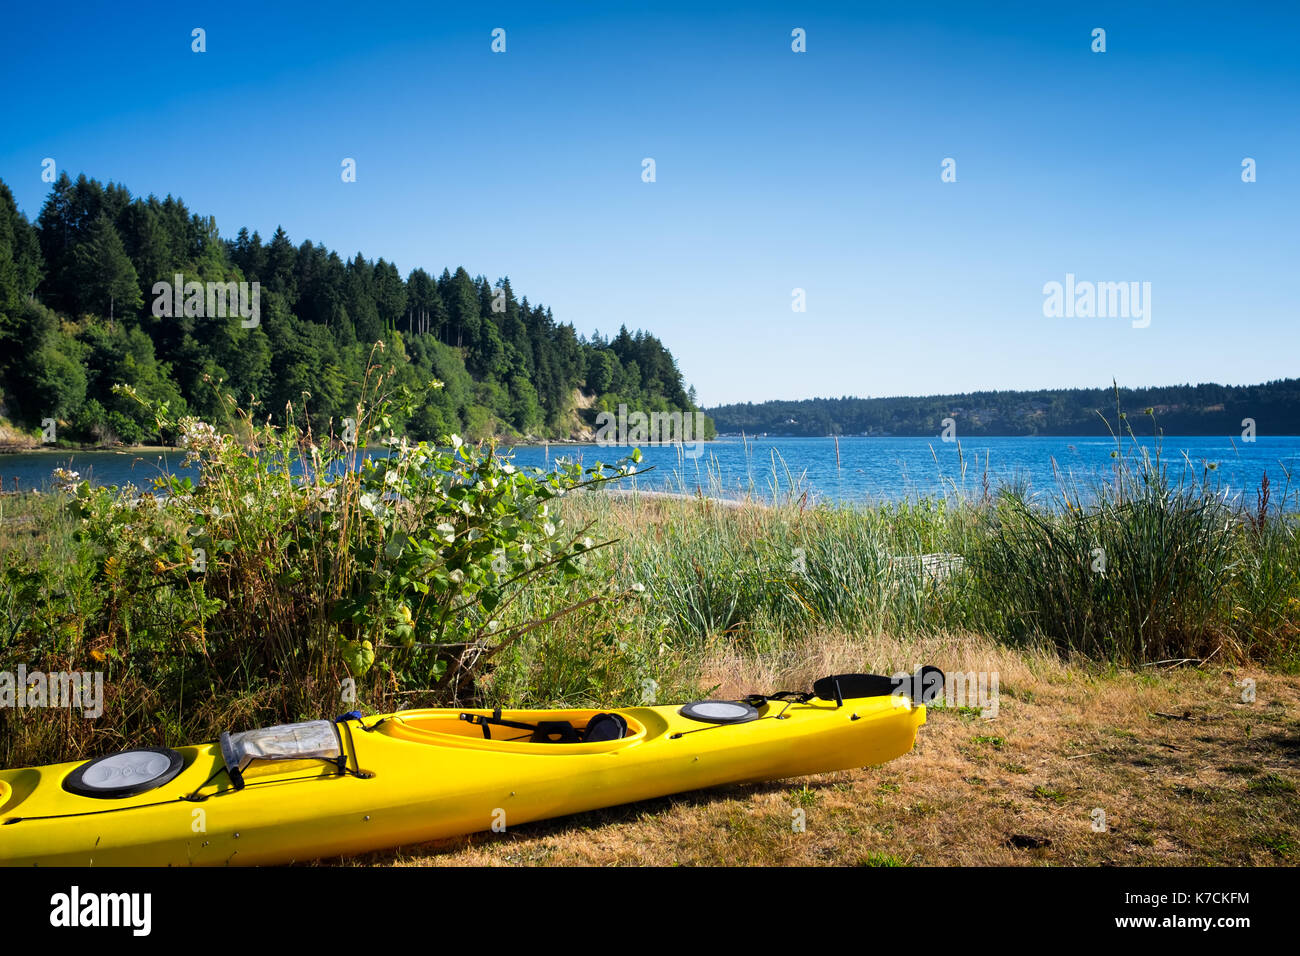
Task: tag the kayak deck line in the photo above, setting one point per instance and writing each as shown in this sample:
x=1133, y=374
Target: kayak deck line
x=419, y=775
x=190, y=797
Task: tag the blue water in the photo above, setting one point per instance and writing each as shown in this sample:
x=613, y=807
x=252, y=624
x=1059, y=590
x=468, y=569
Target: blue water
x=870, y=469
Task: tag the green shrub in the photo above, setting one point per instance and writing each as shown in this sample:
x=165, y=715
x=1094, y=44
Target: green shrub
x=305, y=572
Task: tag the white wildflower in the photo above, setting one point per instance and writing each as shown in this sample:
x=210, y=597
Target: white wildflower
x=197, y=438
x=66, y=480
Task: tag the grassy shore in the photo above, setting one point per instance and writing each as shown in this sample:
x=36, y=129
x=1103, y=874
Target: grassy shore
x=1124, y=628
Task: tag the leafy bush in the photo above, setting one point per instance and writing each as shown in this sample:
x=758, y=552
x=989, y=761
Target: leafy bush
x=309, y=571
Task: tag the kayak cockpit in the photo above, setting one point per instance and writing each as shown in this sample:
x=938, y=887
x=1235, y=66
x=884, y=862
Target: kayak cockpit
x=532, y=731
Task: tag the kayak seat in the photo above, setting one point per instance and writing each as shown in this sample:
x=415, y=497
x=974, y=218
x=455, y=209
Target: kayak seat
x=605, y=727
x=556, y=732
x=601, y=727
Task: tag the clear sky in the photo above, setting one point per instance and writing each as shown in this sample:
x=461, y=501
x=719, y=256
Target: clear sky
x=775, y=170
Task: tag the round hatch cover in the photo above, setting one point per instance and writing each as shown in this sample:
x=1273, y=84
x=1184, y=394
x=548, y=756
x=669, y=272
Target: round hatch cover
x=719, y=711
x=124, y=774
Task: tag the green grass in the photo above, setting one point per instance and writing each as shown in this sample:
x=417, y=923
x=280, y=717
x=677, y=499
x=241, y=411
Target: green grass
x=804, y=797
x=1271, y=783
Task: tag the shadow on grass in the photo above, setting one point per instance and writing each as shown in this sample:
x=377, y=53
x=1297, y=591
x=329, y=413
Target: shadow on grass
x=525, y=834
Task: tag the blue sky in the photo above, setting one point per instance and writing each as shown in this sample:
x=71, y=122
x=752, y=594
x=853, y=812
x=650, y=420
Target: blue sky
x=775, y=170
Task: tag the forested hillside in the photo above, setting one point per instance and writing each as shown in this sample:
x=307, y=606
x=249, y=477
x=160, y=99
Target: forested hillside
x=77, y=317
x=1178, y=410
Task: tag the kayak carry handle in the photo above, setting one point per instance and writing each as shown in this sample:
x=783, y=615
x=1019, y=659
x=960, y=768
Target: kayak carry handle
x=231, y=761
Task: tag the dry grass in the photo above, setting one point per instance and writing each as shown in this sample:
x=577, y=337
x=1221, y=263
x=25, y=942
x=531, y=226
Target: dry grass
x=1018, y=789
x=14, y=440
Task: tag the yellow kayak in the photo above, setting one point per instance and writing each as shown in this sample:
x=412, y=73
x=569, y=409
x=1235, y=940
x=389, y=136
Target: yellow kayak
x=357, y=784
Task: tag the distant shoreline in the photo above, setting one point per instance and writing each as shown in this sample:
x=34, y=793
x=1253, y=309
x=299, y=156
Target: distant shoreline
x=785, y=436
x=13, y=449
x=162, y=449
x=66, y=450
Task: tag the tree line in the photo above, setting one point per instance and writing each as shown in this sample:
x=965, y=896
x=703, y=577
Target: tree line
x=77, y=317
x=1273, y=408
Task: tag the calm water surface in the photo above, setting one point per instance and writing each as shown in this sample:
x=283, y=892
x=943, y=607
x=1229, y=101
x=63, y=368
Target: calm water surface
x=869, y=469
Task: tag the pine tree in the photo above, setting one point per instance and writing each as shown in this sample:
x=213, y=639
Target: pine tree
x=106, y=277
x=20, y=255
x=280, y=261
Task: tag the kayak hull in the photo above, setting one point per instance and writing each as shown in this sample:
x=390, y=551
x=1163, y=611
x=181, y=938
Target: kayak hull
x=423, y=775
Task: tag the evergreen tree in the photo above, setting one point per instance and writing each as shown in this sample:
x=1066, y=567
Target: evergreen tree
x=106, y=278
x=280, y=267
x=20, y=256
